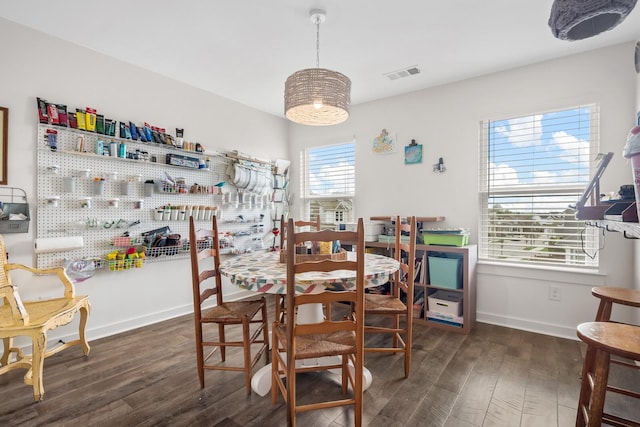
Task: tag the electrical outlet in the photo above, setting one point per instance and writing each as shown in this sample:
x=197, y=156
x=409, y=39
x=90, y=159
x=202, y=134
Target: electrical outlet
x=555, y=293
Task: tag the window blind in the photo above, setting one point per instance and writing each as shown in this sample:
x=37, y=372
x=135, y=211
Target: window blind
x=533, y=169
x=328, y=183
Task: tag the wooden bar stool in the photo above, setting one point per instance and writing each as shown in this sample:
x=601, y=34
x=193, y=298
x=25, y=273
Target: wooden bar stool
x=609, y=295
x=604, y=339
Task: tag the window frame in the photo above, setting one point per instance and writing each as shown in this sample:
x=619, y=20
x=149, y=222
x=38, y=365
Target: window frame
x=343, y=198
x=588, y=259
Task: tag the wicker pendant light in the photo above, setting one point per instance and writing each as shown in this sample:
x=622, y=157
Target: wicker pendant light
x=317, y=96
x=581, y=19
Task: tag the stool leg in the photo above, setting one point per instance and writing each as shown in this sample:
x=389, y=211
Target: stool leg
x=601, y=376
x=604, y=311
x=594, y=407
x=585, y=388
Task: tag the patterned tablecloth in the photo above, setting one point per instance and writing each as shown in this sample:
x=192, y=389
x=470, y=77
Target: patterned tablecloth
x=263, y=272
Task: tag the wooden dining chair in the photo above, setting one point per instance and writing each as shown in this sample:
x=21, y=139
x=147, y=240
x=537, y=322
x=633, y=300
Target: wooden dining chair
x=398, y=305
x=280, y=305
x=249, y=315
x=293, y=341
x=34, y=318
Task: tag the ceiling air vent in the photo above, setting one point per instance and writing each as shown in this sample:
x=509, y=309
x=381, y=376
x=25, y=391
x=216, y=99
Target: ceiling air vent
x=405, y=72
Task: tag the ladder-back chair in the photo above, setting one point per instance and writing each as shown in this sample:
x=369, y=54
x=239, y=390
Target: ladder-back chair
x=249, y=315
x=398, y=305
x=293, y=341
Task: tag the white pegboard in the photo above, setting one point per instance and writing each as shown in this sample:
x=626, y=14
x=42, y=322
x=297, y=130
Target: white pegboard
x=60, y=213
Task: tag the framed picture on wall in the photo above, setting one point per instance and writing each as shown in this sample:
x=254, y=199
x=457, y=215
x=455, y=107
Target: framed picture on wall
x=4, y=132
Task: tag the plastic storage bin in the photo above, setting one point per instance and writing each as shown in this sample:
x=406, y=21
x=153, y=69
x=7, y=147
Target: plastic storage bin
x=446, y=303
x=445, y=270
x=445, y=239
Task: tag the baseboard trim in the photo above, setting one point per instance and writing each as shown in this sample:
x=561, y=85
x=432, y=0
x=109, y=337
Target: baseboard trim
x=560, y=331
x=67, y=334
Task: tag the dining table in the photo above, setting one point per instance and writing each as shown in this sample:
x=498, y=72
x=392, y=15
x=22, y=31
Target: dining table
x=263, y=272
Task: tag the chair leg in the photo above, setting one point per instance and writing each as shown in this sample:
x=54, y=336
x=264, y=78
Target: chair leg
x=291, y=391
x=37, y=365
x=223, y=348
x=246, y=343
x=199, y=353
x=7, y=351
x=265, y=330
x=84, y=316
x=407, y=359
x=345, y=374
x=396, y=325
x=358, y=389
x=275, y=366
x=408, y=344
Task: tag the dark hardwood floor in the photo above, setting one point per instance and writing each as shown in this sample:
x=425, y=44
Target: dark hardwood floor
x=495, y=376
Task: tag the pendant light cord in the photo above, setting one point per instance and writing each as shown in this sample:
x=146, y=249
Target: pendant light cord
x=318, y=42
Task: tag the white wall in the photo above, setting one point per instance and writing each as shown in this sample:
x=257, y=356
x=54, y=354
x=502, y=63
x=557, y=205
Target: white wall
x=35, y=65
x=445, y=120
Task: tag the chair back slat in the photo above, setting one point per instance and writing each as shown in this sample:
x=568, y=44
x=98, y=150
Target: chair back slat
x=199, y=255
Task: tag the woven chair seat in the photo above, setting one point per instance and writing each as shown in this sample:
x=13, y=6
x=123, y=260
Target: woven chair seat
x=232, y=312
x=383, y=304
x=320, y=345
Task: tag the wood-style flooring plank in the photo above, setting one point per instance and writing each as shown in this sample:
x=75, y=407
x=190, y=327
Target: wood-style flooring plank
x=505, y=408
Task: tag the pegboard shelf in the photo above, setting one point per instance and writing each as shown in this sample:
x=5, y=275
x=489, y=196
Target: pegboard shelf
x=120, y=159
x=107, y=138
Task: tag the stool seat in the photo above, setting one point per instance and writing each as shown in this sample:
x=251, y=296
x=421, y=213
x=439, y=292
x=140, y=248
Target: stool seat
x=604, y=339
x=616, y=338
x=609, y=295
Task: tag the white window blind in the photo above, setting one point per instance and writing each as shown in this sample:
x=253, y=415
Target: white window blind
x=533, y=168
x=328, y=183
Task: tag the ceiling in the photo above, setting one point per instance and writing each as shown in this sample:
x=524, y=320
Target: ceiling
x=244, y=50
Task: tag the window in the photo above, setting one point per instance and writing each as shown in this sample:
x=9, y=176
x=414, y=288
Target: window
x=532, y=169
x=328, y=183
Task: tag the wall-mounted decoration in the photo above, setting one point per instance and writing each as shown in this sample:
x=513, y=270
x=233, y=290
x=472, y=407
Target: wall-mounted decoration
x=384, y=143
x=4, y=134
x=439, y=167
x=413, y=153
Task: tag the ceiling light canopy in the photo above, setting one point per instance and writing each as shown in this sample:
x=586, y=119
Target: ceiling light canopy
x=317, y=96
x=581, y=19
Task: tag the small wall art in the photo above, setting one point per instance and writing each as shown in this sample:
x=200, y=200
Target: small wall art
x=384, y=143
x=413, y=153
